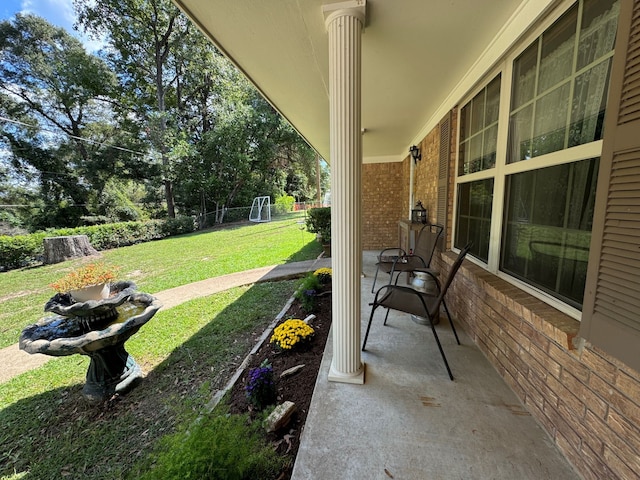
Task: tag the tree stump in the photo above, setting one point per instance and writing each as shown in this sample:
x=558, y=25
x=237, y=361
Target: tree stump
x=59, y=249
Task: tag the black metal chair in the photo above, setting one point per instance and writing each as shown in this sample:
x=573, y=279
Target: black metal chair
x=408, y=300
x=397, y=260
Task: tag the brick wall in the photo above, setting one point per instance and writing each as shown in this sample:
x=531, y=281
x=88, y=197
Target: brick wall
x=426, y=183
x=384, y=203
x=588, y=402
x=426, y=175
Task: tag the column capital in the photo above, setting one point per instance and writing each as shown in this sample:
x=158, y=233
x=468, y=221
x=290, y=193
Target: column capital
x=351, y=8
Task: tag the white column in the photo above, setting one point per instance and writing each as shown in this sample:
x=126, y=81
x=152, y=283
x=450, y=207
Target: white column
x=344, y=22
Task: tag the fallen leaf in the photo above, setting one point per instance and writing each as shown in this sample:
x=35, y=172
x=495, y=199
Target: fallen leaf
x=388, y=473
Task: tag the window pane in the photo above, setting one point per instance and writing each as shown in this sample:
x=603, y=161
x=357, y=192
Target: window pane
x=489, y=147
x=524, y=76
x=558, y=42
x=581, y=197
x=568, y=86
x=551, y=121
x=550, y=195
x=493, y=102
x=475, y=154
x=473, y=219
x=479, y=130
x=588, y=106
x=520, y=135
x=547, y=228
x=464, y=200
x=598, y=31
x=465, y=122
x=463, y=159
x=477, y=112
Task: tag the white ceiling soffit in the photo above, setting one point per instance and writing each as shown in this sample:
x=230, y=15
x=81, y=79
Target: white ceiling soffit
x=418, y=58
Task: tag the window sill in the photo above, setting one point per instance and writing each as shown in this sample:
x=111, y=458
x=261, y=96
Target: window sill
x=551, y=322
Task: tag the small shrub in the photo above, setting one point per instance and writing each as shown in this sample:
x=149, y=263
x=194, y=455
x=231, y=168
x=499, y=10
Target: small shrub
x=284, y=204
x=319, y=221
x=324, y=275
x=307, y=292
x=261, y=387
x=18, y=251
x=291, y=333
x=21, y=250
x=216, y=448
x=179, y=225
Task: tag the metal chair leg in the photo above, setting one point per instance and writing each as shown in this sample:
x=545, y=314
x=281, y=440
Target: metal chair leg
x=375, y=278
x=366, y=335
x=446, y=364
x=450, y=321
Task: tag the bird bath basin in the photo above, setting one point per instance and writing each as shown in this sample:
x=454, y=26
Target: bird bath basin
x=98, y=329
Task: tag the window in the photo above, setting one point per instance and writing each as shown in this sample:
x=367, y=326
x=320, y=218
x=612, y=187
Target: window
x=474, y=216
x=527, y=202
x=477, y=153
x=547, y=227
x=479, y=130
x=560, y=83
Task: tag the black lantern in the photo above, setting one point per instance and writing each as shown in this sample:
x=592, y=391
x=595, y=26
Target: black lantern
x=419, y=214
x=415, y=154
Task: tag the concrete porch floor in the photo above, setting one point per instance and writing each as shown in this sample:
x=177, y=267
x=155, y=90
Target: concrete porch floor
x=410, y=422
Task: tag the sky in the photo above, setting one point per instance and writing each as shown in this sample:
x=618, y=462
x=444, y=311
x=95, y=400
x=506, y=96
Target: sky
x=56, y=12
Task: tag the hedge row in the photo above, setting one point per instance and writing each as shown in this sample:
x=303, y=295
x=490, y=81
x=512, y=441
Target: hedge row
x=21, y=250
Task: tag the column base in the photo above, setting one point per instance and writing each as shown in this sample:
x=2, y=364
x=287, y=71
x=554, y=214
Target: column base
x=340, y=377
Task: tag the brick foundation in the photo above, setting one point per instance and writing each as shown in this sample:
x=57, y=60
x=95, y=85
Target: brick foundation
x=588, y=402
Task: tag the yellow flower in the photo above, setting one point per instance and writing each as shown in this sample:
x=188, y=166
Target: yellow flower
x=323, y=274
x=290, y=333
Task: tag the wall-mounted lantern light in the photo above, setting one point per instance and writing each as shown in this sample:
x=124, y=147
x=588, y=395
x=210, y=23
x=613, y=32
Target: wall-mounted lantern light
x=419, y=214
x=415, y=153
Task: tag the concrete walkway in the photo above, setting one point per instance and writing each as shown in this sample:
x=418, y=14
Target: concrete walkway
x=15, y=362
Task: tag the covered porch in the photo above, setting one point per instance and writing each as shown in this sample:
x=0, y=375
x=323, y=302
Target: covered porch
x=410, y=421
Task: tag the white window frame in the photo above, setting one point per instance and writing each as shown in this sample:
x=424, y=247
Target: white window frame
x=501, y=170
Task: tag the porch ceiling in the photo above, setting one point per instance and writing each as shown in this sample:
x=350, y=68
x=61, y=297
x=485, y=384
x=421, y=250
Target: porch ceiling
x=414, y=52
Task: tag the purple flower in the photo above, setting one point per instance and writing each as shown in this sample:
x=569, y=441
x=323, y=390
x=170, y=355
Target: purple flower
x=261, y=387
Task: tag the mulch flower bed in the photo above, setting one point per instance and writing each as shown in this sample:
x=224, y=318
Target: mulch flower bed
x=296, y=388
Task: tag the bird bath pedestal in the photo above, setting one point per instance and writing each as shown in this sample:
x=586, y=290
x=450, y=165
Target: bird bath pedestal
x=98, y=329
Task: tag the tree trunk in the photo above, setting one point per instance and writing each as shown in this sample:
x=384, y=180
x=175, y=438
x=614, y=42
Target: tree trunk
x=59, y=249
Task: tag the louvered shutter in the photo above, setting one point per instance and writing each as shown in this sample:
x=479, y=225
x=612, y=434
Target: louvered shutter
x=611, y=308
x=443, y=171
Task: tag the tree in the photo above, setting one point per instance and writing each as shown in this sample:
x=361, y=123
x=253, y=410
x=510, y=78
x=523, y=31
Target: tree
x=144, y=36
x=250, y=150
x=217, y=139
x=15, y=200
x=59, y=98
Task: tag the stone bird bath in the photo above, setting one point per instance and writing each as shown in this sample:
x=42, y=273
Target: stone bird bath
x=98, y=329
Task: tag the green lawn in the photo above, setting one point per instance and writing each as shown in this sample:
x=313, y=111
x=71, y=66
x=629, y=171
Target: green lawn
x=159, y=265
x=189, y=352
